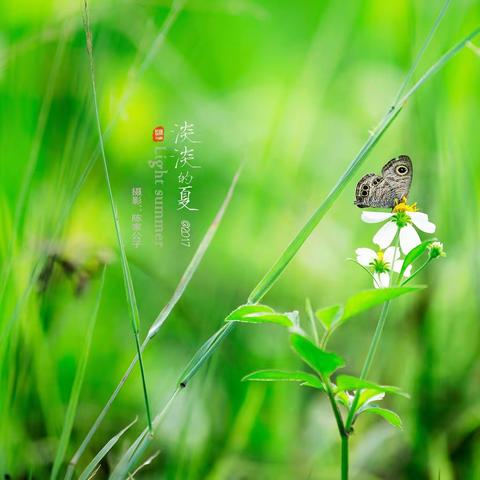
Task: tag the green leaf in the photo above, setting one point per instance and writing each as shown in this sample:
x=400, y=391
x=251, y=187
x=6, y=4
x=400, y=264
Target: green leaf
x=413, y=254
x=343, y=398
x=348, y=382
x=367, y=299
x=388, y=415
x=306, y=379
x=325, y=363
x=328, y=316
x=258, y=314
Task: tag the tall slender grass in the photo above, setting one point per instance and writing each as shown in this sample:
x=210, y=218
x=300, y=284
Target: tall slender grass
x=162, y=316
x=77, y=386
x=129, y=289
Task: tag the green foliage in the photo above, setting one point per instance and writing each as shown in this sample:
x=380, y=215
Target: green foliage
x=367, y=299
x=324, y=363
x=348, y=382
x=259, y=314
x=414, y=254
x=329, y=316
x=388, y=415
x=305, y=379
x=91, y=467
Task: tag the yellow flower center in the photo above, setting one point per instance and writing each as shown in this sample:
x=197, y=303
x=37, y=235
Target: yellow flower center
x=403, y=206
x=380, y=256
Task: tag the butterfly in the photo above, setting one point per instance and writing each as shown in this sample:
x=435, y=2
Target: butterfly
x=387, y=189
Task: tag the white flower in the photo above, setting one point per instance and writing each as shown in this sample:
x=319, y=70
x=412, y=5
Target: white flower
x=401, y=218
x=381, y=264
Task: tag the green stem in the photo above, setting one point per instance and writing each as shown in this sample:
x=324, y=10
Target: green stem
x=345, y=457
x=127, y=278
x=373, y=345
x=414, y=274
x=340, y=425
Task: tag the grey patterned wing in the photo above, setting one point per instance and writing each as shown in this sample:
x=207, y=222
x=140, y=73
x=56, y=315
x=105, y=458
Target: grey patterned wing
x=370, y=192
x=398, y=174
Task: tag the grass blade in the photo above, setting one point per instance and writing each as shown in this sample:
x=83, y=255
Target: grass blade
x=123, y=256
x=76, y=388
x=196, y=259
x=163, y=315
x=131, y=457
x=85, y=475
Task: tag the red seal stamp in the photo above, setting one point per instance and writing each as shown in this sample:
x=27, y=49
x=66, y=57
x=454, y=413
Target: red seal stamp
x=158, y=134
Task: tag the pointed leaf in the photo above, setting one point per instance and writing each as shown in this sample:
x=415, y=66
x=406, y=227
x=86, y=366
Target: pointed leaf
x=306, y=379
x=367, y=299
x=349, y=382
x=102, y=453
x=329, y=315
x=413, y=254
x=325, y=363
x=258, y=314
x=388, y=415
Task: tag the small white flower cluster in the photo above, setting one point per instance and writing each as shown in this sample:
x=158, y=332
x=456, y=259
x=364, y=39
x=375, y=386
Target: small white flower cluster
x=400, y=222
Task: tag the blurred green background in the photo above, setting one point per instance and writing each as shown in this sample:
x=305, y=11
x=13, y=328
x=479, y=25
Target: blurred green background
x=293, y=89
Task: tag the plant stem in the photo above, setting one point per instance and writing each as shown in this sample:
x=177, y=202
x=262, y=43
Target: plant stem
x=374, y=344
x=344, y=457
x=368, y=362
x=127, y=278
x=343, y=432
x=414, y=274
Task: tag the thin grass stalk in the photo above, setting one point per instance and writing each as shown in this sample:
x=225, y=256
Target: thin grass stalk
x=420, y=53
x=76, y=387
x=92, y=467
x=161, y=318
x=135, y=320
x=133, y=454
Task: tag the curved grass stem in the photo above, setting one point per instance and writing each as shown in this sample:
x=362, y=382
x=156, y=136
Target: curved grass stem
x=134, y=315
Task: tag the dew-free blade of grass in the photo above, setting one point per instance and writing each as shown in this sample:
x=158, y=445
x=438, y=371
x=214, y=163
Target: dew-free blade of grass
x=123, y=256
x=77, y=386
x=91, y=467
x=131, y=457
x=163, y=315
x=196, y=259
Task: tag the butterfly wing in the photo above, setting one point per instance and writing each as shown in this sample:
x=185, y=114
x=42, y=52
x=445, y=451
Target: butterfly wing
x=367, y=193
x=383, y=191
x=398, y=174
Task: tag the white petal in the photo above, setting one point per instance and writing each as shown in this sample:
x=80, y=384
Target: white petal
x=383, y=238
x=365, y=256
x=397, y=266
x=420, y=220
x=382, y=280
x=391, y=252
x=375, y=217
x=408, y=238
